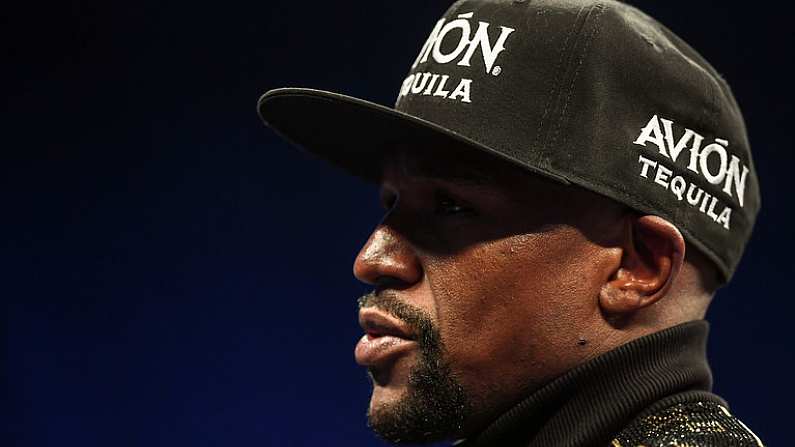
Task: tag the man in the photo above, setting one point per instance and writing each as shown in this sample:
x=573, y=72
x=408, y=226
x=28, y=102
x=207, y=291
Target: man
x=566, y=185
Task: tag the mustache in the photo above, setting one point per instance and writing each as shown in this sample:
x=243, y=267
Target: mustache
x=418, y=321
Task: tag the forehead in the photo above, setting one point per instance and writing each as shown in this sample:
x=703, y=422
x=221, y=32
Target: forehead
x=482, y=173
x=454, y=164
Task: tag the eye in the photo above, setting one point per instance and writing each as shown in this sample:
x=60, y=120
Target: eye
x=445, y=205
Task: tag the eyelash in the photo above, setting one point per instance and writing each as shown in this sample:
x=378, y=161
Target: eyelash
x=388, y=202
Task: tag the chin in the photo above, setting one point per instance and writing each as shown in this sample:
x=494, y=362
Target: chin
x=386, y=397
x=429, y=406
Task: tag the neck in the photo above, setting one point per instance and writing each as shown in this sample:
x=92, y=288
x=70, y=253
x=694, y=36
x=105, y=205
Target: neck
x=592, y=402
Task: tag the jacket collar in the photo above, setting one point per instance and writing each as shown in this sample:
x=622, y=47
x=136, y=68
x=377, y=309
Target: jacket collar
x=591, y=403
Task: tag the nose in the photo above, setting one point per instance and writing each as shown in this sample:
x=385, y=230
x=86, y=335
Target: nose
x=387, y=258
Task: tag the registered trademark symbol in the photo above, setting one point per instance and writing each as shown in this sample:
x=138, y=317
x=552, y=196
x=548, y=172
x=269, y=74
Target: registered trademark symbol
x=496, y=70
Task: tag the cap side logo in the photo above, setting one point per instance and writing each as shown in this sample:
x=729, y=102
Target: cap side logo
x=727, y=174
x=436, y=84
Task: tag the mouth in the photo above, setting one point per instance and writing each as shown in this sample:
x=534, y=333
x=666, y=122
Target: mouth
x=384, y=339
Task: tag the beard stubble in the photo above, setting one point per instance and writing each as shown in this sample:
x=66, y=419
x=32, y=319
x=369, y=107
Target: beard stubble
x=435, y=404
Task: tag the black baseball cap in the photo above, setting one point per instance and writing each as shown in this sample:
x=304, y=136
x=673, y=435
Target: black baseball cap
x=592, y=93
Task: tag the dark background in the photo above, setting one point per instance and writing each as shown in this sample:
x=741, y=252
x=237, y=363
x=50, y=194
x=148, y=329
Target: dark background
x=174, y=274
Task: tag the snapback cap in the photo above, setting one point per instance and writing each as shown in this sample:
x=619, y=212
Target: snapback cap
x=592, y=93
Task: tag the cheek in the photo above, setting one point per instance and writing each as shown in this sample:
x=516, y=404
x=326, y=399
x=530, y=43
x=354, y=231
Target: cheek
x=508, y=307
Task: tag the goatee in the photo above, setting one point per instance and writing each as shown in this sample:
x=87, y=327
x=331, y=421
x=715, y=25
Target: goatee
x=435, y=405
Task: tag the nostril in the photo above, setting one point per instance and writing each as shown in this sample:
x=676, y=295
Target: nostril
x=384, y=282
x=389, y=282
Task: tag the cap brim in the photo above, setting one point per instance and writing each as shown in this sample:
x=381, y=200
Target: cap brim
x=353, y=133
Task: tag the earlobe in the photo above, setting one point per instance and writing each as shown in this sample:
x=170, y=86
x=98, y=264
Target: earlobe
x=653, y=254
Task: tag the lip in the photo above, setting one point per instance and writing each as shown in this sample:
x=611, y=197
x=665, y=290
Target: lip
x=385, y=338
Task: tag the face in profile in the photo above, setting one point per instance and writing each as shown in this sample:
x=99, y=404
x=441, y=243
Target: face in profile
x=484, y=279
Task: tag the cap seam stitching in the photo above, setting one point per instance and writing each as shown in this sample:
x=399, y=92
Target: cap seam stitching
x=600, y=7
x=554, y=93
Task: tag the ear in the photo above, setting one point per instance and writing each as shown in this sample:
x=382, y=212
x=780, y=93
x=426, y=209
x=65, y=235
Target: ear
x=652, y=256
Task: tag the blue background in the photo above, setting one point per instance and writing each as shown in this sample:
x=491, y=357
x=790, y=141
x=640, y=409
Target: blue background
x=174, y=274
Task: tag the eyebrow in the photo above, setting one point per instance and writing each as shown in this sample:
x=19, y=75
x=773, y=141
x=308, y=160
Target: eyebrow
x=457, y=173
x=461, y=176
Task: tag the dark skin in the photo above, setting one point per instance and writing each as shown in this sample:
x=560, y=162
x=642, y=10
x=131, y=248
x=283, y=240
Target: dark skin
x=524, y=278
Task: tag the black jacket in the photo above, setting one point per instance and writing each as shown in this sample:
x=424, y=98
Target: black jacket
x=653, y=391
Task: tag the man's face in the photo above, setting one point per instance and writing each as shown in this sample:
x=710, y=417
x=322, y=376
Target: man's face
x=484, y=289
